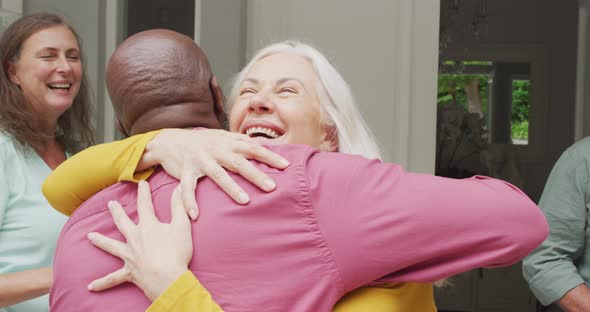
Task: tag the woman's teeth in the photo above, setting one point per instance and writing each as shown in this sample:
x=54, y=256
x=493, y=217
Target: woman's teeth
x=259, y=131
x=59, y=85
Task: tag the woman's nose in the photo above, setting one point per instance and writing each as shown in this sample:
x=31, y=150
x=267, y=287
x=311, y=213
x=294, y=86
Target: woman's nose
x=63, y=66
x=260, y=104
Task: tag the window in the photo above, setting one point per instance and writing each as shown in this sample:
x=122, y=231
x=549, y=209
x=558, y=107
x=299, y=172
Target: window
x=479, y=103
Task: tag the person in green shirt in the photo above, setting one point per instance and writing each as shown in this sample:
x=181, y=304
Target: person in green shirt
x=559, y=269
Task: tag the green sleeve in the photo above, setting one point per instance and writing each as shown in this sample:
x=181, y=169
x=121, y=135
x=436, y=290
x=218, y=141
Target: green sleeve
x=550, y=269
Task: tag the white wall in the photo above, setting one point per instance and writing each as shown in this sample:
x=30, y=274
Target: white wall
x=10, y=10
x=222, y=36
x=12, y=5
x=394, y=81
x=386, y=51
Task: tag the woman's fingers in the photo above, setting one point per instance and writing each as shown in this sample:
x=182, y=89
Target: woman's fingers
x=164, y=249
x=188, y=185
x=246, y=169
x=209, y=152
x=145, y=207
x=216, y=173
x=112, y=246
x=178, y=210
x=110, y=280
x=265, y=156
x=122, y=221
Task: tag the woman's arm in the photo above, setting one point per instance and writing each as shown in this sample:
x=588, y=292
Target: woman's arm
x=25, y=285
x=184, y=154
x=189, y=155
x=186, y=294
x=95, y=169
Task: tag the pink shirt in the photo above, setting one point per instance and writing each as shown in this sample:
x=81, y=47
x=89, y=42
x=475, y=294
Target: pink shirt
x=336, y=222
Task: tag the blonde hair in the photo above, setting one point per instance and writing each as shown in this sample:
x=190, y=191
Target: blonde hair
x=337, y=105
x=338, y=109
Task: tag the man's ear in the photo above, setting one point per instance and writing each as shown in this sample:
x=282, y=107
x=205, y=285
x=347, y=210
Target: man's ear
x=120, y=128
x=219, y=101
x=11, y=69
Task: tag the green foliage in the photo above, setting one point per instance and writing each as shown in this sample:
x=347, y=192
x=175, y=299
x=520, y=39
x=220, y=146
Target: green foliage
x=448, y=82
x=478, y=63
x=520, y=130
x=520, y=97
x=520, y=100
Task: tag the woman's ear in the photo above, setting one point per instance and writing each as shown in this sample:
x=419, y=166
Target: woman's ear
x=11, y=69
x=218, y=101
x=330, y=142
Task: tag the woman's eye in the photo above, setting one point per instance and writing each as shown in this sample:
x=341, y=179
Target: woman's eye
x=246, y=91
x=287, y=90
x=73, y=57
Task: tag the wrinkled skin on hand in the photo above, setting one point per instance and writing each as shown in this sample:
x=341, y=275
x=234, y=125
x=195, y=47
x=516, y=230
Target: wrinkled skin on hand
x=162, y=79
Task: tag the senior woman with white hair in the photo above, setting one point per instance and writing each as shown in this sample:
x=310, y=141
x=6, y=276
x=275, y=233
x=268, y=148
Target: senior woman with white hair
x=290, y=94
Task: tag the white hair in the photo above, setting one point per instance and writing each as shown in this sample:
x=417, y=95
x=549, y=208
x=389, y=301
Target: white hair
x=337, y=106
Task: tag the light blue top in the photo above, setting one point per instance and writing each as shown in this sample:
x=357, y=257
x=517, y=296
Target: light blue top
x=29, y=227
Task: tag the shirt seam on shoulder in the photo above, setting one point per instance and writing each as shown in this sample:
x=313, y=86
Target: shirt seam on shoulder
x=313, y=220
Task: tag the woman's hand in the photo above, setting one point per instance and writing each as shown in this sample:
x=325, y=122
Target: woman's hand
x=190, y=154
x=156, y=253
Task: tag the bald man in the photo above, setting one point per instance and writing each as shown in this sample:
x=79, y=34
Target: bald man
x=161, y=79
x=302, y=247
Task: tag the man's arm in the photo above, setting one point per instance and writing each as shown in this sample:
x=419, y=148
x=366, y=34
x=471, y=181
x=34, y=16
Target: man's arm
x=378, y=219
x=576, y=300
x=550, y=269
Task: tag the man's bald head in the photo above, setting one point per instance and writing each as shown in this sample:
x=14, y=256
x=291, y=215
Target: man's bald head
x=161, y=79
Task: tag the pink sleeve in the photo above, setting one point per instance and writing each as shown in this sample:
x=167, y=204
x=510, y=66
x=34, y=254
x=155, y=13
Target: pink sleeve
x=379, y=220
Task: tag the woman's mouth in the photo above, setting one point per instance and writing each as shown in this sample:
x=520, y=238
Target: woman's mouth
x=59, y=86
x=262, y=132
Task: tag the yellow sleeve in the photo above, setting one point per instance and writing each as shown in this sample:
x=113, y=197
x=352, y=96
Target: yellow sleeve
x=396, y=298
x=186, y=294
x=95, y=169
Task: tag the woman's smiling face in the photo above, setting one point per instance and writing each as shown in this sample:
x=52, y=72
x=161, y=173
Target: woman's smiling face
x=49, y=70
x=278, y=102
